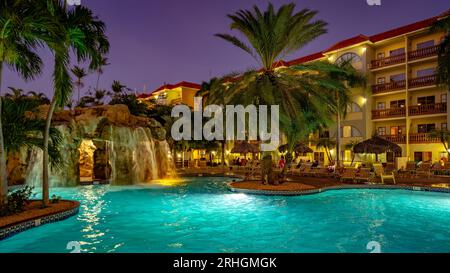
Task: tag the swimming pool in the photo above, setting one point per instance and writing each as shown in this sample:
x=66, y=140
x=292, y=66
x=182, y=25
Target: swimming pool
x=201, y=215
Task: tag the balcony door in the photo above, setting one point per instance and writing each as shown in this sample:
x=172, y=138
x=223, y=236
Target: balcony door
x=426, y=100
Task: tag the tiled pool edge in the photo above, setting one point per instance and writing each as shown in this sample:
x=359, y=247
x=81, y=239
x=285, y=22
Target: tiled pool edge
x=343, y=187
x=14, y=229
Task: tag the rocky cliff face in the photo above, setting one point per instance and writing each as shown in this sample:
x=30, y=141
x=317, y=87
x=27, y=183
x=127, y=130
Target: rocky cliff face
x=100, y=143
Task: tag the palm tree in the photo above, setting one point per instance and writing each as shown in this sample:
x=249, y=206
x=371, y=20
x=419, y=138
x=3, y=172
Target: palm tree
x=99, y=68
x=338, y=99
x=349, y=146
x=20, y=35
x=214, y=92
x=83, y=33
x=118, y=88
x=443, y=69
x=79, y=73
x=16, y=93
x=444, y=137
x=23, y=131
x=327, y=144
x=38, y=96
x=272, y=35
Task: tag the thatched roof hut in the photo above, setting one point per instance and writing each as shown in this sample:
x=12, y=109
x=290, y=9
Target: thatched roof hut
x=298, y=148
x=243, y=147
x=376, y=145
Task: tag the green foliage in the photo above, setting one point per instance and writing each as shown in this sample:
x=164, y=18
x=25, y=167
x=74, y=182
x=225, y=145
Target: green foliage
x=273, y=34
x=55, y=199
x=21, y=127
x=136, y=107
x=17, y=200
x=443, y=69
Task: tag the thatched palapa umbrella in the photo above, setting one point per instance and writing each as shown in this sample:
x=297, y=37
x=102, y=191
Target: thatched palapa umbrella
x=376, y=145
x=298, y=148
x=243, y=147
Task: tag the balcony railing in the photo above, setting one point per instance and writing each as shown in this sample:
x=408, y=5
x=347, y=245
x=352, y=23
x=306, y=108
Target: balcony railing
x=413, y=138
x=423, y=53
x=428, y=109
x=387, y=87
x=412, y=56
x=423, y=138
x=389, y=113
x=399, y=139
x=422, y=81
x=397, y=59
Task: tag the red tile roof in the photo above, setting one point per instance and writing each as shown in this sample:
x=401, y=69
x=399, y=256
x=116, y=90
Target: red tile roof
x=171, y=86
x=348, y=42
x=402, y=30
x=307, y=58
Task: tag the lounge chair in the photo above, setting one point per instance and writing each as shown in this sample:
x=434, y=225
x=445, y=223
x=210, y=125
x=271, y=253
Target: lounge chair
x=348, y=174
x=323, y=172
x=380, y=172
x=410, y=170
x=364, y=174
x=424, y=169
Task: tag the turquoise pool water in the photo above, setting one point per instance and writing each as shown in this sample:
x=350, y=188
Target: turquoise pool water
x=202, y=216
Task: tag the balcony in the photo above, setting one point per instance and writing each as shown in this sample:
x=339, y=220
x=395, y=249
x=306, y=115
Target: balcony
x=423, y=138
x=414, y=138
x=399, y=139
x=423, y=53
x=397, y=59
x=428, y=109
x=388, y=113
x=387, y=87
x=429, y=80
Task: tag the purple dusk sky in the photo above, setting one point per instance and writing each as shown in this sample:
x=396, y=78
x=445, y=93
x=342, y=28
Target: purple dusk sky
x=167, y=41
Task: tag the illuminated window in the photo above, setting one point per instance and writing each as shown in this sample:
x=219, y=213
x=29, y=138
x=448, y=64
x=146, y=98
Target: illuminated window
x=348, y=57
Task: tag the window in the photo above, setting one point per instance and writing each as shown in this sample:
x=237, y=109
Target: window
x=398, y=77
x=398, y=104
x=353, y=108
x=423, y=156
x=319, y=156
x=347, y=131
x=348, y=57
x=397, y=130
x=381, y=131
x=426, y=100
x=426, y=44
x=425, y=72
x=443, y=98
x=444, y=126
x=381, y=55
x=396, y=52
x=381, y=105
x=381, y=80
x=426, y=128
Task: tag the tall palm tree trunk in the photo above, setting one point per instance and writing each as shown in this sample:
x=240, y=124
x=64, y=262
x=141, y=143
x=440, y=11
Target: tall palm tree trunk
x=45, y=161
x=338, y=138
x=3, y=176
x=223, y=154
x=98, y=81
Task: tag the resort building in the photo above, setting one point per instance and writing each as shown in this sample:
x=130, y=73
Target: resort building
x=172, y=94
x=402, y=102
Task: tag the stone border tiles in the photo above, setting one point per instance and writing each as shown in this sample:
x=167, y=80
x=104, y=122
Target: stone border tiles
x=14, y=229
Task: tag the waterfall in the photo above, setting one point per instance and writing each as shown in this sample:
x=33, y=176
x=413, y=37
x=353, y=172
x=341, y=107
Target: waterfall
x=132, y=155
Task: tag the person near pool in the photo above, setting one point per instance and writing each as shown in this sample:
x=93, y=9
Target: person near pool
x=281, y=162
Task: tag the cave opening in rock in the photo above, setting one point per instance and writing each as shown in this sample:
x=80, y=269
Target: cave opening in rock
x=94, y=162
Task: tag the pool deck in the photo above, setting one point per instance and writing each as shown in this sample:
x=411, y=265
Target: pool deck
x=34, y=215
